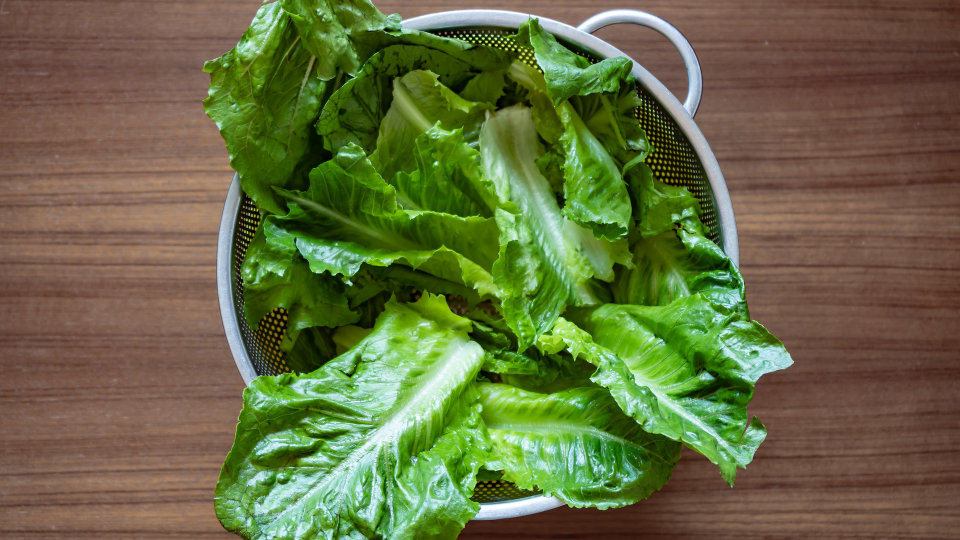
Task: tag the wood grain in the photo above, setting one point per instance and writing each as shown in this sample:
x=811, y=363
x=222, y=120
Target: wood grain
x=836, y=124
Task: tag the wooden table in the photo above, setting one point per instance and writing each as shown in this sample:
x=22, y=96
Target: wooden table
x=837, y=126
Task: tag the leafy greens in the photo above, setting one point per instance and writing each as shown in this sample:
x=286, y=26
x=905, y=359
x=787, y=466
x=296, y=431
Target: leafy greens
x=599, y=331
x=383, y=441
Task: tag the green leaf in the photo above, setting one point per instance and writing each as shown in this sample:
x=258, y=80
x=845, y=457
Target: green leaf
x=341, y=223
x=353, y=160
x=310, y=299
x=567, y=73
x=479, y=57
x=354, y=113
x=560, y=373
x=575, y=444
x=596, y=197
x=483, y=475
x=419, y=102
x=310, y=349
x=446, y=163
x=382, y=442
x=486, y=87
x=686, y=371
x=329, y=31
x=265, y=94
x=539, y=270
x=677, y=264
x=373, y=286
x=611, y=117
x=545, y=260
x=508, y=362
x=344, y=35
x=513, y=94
x=424, y=282
x=433, y=168
x=447, y=177
x=347, y=337
x=371, y=308
x=658, y=207
x=534, y=370
x=551, y=167
x=531, y=84
x=502, y=357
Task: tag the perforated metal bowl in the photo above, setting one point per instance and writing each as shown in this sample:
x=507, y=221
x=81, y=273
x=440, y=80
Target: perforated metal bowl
x=681, y=157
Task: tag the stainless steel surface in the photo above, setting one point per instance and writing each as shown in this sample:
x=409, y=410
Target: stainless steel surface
x=517, y=508
x=226, y=285
x=669, y=31
x=682, y=157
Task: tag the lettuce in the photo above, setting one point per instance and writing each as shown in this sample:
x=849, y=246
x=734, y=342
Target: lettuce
x=568, y=74
x=310, y=349
x=406, y=178
x=382, y=442
x=264, y=96
x=349, y=218
x=421, y=101
x=575, y=444
x=595, y=195
x=355, y=112
x=447, y=177
x=310, y=299
x=686, y=370
x=668, y=267
x=542, y=267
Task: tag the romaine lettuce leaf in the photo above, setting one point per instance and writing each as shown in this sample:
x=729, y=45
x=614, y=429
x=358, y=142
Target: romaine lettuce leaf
x=559, y=372
x=347, y=337
x=354, y=113
x=568, y=74
x=686, y=371
x=677, y=264
x=448, y=177
x=540, y=269
x=551, y=167
x=596, y=197
x=345, y=220
x=427, y=127
x=593, y=188
x=265, y=94
x=402, y=281
x=419, y=102
x=576, y=444
x=309, y=349
x=546, y=261
x=343, y=35
x=479, y=57
x=510, y=362
x=611, y=117
x=384, y=441
x=487, y=87
x=531, y=84
x=533, y=370
x=310, y=299
x=503, y=358
x=371, y=308
x=657, y=206
x=331, y=31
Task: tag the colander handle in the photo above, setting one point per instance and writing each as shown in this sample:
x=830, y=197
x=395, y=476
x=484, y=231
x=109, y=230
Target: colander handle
x=694, y=76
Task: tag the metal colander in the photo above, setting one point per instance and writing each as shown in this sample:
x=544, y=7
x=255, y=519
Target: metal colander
x=681, y=157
